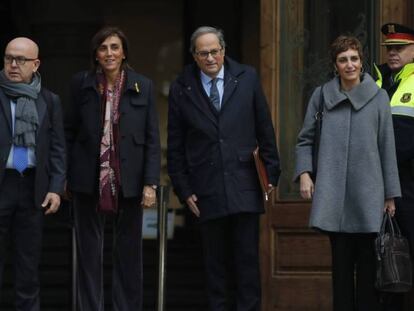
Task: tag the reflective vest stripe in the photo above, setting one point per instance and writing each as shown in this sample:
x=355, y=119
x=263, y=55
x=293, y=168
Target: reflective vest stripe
x=401, y=110
x=402, y=102
x=379, y=75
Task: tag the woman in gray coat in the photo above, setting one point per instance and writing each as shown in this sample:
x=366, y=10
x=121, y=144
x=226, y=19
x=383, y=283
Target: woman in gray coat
x=357, y=176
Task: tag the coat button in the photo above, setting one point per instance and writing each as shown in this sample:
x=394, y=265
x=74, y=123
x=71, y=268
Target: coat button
x=221, y=140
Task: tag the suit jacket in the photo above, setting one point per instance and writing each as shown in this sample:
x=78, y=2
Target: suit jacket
x=139, y=144
x=50, y=144
x=210, y=153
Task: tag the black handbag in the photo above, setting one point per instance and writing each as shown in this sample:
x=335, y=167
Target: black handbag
x=317, y=136
x=394, y=270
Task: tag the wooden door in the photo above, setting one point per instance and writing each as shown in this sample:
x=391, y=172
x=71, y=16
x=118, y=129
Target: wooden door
x=295, y=38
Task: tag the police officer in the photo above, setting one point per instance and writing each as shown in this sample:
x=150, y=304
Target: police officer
x=397, y=78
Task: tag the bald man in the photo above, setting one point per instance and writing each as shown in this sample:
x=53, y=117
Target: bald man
x=32, y=165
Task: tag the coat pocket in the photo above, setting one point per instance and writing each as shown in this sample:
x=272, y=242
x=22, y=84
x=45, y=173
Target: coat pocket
x=245, y=159
x=246, y=174
x=139, y=139
x=138, y=101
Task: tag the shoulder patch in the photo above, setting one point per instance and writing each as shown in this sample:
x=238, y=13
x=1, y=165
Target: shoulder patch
x=405, y=98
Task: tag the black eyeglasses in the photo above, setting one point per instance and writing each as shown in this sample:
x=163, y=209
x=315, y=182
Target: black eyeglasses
x=20, y=60
x=205, y=54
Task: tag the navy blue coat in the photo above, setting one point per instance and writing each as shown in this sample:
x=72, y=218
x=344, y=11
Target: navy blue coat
x=50, y=144
x=139, y=143
x=210, y=153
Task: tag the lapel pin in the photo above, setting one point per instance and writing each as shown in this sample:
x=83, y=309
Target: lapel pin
x=136, y=87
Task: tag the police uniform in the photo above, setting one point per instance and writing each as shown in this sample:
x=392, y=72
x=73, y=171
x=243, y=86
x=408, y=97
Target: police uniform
x=400, y=88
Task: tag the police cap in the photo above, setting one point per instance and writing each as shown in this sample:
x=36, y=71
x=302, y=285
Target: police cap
x=396, y=34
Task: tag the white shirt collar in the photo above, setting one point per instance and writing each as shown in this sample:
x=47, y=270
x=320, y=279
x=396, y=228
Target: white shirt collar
x=206, y=79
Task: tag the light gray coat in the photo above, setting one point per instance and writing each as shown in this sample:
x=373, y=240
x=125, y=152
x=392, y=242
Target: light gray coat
x=357, y=167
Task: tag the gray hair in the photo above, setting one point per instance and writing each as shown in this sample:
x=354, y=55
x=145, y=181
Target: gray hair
x=205, y=30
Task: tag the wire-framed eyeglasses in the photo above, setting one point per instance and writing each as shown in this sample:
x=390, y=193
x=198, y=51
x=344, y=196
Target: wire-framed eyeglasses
x=205, y=54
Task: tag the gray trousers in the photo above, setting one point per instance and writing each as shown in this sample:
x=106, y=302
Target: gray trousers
x=127, y=254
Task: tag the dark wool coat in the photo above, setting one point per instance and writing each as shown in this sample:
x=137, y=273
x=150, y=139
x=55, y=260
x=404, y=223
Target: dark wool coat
x=139, y=144
x=210, y=153
x=50, y=144
x=357, y=168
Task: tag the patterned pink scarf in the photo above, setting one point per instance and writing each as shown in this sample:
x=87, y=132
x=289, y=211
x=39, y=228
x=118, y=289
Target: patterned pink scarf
x=109, y=172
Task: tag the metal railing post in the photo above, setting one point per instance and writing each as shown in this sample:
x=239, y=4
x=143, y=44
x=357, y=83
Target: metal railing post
x=74, y=269
x=162, y=228
x=74, y=256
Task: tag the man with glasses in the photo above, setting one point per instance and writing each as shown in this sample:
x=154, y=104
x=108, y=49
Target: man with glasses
x=397, y=78
x=32, y=165
x=217, y=116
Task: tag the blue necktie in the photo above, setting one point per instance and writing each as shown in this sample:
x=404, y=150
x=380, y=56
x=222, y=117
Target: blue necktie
x=214, y=94
x=20, y=161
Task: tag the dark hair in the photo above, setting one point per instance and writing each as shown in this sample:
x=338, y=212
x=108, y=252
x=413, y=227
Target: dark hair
x=205, y=30
x=101, y=36
x=344, y=43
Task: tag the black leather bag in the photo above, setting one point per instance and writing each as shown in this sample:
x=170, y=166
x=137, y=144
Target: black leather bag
x=317, y=136
x=394, y=270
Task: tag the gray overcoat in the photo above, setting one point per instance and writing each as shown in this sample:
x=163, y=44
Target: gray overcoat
x=357, y=167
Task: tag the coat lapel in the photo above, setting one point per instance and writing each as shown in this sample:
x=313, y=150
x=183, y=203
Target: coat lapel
x=192, y=90
x=5, y=104
x=232, y=74
x=41, y=109
x=230, y=84
x=132, y=83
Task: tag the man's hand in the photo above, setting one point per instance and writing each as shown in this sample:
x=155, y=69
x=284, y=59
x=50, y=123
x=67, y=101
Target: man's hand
x=51, y=203
x=389, y=207
x=306, y=186
x=191, y=202
x=149, y=197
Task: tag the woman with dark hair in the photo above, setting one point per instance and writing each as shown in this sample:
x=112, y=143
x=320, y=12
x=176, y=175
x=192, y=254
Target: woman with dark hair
x=113, y=169
x=357, y=177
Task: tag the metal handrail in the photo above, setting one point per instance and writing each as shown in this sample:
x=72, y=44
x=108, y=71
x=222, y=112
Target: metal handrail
x=162, y=230
x=74, y=270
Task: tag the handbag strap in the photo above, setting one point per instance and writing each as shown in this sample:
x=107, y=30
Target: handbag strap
x=391, y=223
x=317, y=135
x=394, y=229
x=319, y=112
x=395, y=225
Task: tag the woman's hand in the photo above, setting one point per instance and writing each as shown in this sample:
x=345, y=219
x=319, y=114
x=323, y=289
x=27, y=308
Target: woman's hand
x=149, y=197
x=306, y=186
x=389, y=207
